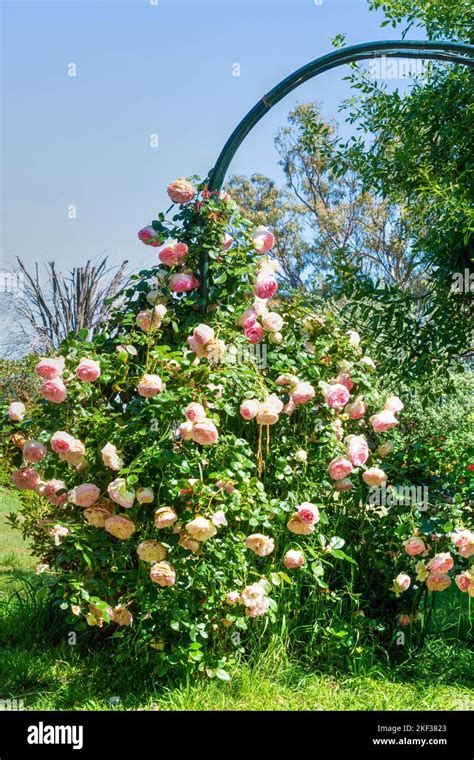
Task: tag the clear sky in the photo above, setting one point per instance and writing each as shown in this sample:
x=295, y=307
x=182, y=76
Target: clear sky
x=144, y=68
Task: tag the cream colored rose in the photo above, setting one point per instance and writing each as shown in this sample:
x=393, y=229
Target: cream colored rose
x=151, y=551
x=201, y=529
x=164, y=517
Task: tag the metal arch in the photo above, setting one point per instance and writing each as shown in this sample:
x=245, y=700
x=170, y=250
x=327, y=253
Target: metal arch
x=452, y=52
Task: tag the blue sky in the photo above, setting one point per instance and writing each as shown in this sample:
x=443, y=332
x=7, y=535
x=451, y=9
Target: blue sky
x=144, y=69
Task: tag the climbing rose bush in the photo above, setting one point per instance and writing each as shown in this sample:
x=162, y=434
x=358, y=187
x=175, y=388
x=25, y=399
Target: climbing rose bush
x=199, y=470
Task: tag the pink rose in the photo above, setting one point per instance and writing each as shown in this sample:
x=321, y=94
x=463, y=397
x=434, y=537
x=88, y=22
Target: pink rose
x=357, y=449
x=62, y=442
x=85, y=495
x=265, y=285
x=438, y=582
x=181, y=191
x=336, y=396
x=233, y=597
x=272, y=322
x=151, y=551
x=195, y=412
x=393, y=404
x=16, y=411
x=464, y=581
x=254, y=332
x=26, y=478
x=173, y=254
x=120, y=527
x=205, y=433
x=374, y=476
x=401, y=583
x=354, y=338
x=303, y=393
x=201, y=529
x=260, y=544
x=345, y=379
x=463, y=540
x=164, y=517
x=50, y=491
x=249, y=317
x=53, y=390
x=249, y=409
x=383, y=421
x=183, y=282
x=144, y=320
x=338, y=429
x=88, y=370
x=441, y=563
x=49, y=369
x=120, y=493
x=356, y=410
x=415, y=546
x=343, y=485
x=144, y=495
x=149, y=386
x=147, y=234
x=163, y=574
x=34, y=451
x=263, y=240
x=308, y=513
x=203, y=334
x=293, y=559
x=268, y=412
x=339, y=468
x=185, y=430
x=111, y=458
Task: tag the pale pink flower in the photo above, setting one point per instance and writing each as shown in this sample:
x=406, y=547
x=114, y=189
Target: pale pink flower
x=297, y=526
x=249, y=409
x=144, y=495
x=111, y=458
x=465, y=582
x=181, y=191
x=84, y=495
x=260, y=306
x=254, y=332
x=249, y=317
x=357, y=449
x=374, y=476
x=414, y=546
x=58, y=532
x=308, y=513
x=53, y=390
x=336, y=396
x=149, y=386
x=183, y=282
x=265, y=285
x=463, y=540
x=146, y=235
x=120, y=527
x=441, y=563
x=34, y=451
x=54, y=491
x=62, y=442
x=383, y=421
x=151, y=551
x=26, y=478
x=195, y=412
x=258, y=609
x=185, y=430
x=293, y=559
x=301, y=456
x=438, y=582
x=233, y=597
x=345, y=379
x=163, y=574
x=16, y=411
x=303, y=393
x=173, y=254
x=122, y=616
x=338, y=429
x=218, y=518
x=186, y=542
x=272, y=322
x=263, y=240
x=120, y=493
x=269, y=410
x=201, y=529
x=203, y=334
x=260, y=544
x=49, y=368
x=254, y=596
x=367, y=361
x=205, y=433
x=164, y=517
x=88, y=370
x=357, y=409
x=401, y=583
x=275, y=338
x=343, y=485
x=228, y=240
x=196, y=347
x=144, y=320
x=339, y=468
x=394, y=404
x=354, y=338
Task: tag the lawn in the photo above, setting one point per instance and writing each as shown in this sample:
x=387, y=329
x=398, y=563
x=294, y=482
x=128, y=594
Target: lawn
x=40, y=667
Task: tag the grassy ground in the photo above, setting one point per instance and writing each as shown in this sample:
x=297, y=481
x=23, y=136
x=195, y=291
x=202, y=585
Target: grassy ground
x=51, y=675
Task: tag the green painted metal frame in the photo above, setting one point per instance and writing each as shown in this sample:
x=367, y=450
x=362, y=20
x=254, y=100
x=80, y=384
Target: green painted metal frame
x=452, y=52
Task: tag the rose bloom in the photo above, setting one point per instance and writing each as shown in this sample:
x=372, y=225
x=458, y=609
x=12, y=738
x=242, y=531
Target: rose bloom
x=385, y=448
x=181, y=191
x=50, y=368
x=394, y=404
x=119, y=493
x=120, y=527
x=164, y=517
x=183, y=282
x=275, y=338
x=336, y=396
x=354, y=338
x=185, y=430
x=357, y=449
x=205, y=433
x=265, y=285
x=218, y=518
x=163, y=574
x=173, y=254
x=151, y=551
x=401, y=583
x=463, y=540
x=254, y=332
x=57, y=532
x=34, y=451
x=186, y=542
x=374, y=476
x=440, y=563
x=338, y=429
x=53, y=390
x=249, y=409
x=301, y=456
x=345, y=379
x=146, y=235
x=343, y=485
x=195, y=412
x=85, y=495
x=303, y=393
x=465, y=582
x=149, y=386
x=122, y=616
x=233, y=597
x=249, y=317
x=203, y=334
x=62, y=442
x=404, y=620
x=144, y=320
x=267, y=413
x=144, y=495
x=296, y=525
x=201, y=529
x=308, y=513
x=111, y=458
x=26, y=478
x=253, y=595
x=339, y=468
x=16, y=411
x=272, y=322
x=414, y=546
x=88, y=370
x=356, y=410
x=99, y=513
x=50, y=490
x=438, y=582
x=260, y=544
x=383, y=421
x=263, y=240
x=293, y=559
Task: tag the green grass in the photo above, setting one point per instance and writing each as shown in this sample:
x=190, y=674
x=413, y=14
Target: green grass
x=38, y=666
